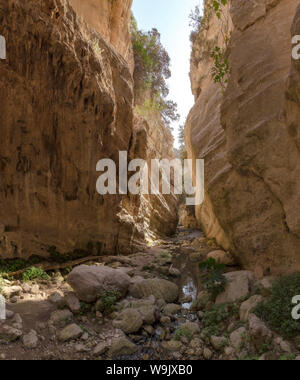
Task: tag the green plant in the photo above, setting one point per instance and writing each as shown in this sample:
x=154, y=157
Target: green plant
x=212, y=277
x=215, y=320
x=217, y=6
x=287, y=357
x=220, y=69
x=151, y=71
x=276, y=311
x=108, y=300
x=183, y=332
x=34, y=273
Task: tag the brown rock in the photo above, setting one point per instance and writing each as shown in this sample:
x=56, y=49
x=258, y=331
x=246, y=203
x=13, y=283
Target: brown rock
x=252, y=188
x=91, y=282
x=81, y=112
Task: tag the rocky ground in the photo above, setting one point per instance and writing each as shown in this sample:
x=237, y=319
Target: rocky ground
x=150, y=305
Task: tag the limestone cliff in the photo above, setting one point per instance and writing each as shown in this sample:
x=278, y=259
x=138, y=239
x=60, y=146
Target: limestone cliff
x=248, y=135
x=66, y=101
x=110, y=19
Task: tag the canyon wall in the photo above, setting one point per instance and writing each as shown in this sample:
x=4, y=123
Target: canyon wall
x=110, y=19
x=66, y=101
x=248, y=134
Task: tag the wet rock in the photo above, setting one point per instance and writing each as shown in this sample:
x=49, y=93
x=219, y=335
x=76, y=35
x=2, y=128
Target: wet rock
x=238, y=286
x=248, y=306
x=30, y=340
x=129, y=321
x=121, y=347
x=159, y=288
x=90, y=282
x=70, y=332
x=72, y=302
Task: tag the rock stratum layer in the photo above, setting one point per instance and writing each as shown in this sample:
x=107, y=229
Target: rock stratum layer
x=249, y=136
x=66, y=101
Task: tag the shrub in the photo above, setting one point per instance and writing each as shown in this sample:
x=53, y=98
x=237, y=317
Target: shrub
x=34, y=273
x=108, y=301
x=212, y=277
x=215, y=319
x=276, y=311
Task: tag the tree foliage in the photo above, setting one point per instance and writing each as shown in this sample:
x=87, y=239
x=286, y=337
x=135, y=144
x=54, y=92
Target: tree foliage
x=152, y=69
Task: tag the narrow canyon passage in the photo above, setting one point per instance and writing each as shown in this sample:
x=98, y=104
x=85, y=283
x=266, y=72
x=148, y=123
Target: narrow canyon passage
x=119, y=239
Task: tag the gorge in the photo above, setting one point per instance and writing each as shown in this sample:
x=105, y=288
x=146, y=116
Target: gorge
x=88, y=275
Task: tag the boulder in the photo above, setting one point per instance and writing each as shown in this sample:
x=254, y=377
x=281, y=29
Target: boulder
x=259, y=332
x=121, y=347
x=30, y=340
x=248, y=306
x=238, y=286
x=171, y=309
x=70, y=332
x=72, y=302
x=91, y=282
x=218, y=343
x=159, y=288
x=129, y=321
x=237, y=338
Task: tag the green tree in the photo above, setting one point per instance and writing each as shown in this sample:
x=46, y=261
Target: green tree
x=151, y=70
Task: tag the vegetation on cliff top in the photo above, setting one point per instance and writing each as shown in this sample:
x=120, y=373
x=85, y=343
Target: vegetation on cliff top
x=151, y=70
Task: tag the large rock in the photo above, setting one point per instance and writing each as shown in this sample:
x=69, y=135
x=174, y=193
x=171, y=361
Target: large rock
x=129, y=321
x=70, y=332
x=252, y=199
x=91, y=282
x=259, y=332
x=160, y=289
x=121, y=347
x=50, y=147
x=238, y=286
x=248, y=306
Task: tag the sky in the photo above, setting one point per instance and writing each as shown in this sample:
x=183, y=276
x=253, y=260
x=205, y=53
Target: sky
x=171, y=18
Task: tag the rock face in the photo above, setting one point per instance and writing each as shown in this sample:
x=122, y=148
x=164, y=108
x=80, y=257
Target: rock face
x=249, y=135
x=110, y=19
x=66, y=101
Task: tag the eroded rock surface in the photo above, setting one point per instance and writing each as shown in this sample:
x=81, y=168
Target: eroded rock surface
x=248, y=136
x=66, y=102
